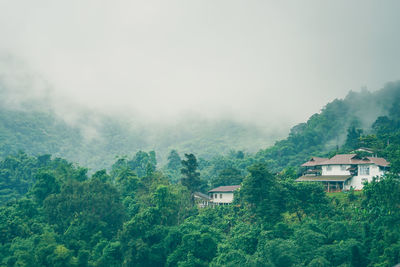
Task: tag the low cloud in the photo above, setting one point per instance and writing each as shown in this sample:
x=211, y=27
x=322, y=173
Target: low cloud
x=265, y=63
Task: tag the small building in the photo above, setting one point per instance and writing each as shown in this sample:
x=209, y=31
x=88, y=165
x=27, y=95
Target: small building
x=201, y=200
x=343, y=171
x=222, y=195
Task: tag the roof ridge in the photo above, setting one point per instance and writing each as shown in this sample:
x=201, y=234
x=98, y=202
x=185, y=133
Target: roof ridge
x=225, y=188
x=346, y=159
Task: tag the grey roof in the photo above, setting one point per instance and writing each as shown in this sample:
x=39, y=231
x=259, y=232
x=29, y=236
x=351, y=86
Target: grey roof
x=346, y=159
x=227, y=188
x=314, y=161
x=379, y=161
x=201, y=195
x=342, y=159
x=325, y=178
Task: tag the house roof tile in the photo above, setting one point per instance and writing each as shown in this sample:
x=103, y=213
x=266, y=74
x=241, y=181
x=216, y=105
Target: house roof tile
x=341, y=159
x=346, y=159
x=201, y=195
x=228, y=188
x=314, y=161
x=379, y=161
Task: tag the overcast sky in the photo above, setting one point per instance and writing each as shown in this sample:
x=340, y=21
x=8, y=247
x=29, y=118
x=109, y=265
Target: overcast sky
x=261, y=61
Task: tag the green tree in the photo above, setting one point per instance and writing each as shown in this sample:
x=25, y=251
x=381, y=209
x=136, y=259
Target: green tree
x=45, y=185
x=278, y=252
x=195, y=244
x=353, y=137
x=174, y=160
x=191, y=177
x=305, y=199
x=229, y=176
x=167, y=204
x=143, y=163
x=87, y=207
x=102, y=176
x=382, y=197
x=262, y=193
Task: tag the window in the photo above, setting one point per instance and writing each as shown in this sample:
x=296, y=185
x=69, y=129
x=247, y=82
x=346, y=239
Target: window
x=343, y=167
x=329, y=168
x=220, y=195
x=212, y=195
x=215, y=196
x=364, y=170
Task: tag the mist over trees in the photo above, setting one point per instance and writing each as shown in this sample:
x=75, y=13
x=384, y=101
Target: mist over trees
x=140, y=212
x=338, y=127
x=94, y=140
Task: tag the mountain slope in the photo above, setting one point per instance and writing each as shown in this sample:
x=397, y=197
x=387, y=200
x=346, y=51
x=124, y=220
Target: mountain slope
x=96, y=140
x=329, y=130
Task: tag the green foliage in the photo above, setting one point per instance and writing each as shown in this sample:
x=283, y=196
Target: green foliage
x=143, y=163
x=135, y=214
x=191, y=177
x=121, y=219
x=94, y=139
x=196, y=243
x=229, y=176
x=353, y=137
x=174, y=161
x=261, y=193
x=382, y=198
x=327, y=130
x=306, y=199
x=88, y=207
x=45, y=185
x=18, y=173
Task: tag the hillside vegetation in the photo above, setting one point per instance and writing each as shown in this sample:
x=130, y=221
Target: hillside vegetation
x=141, y=213
x=337, y=128
x=94, y=140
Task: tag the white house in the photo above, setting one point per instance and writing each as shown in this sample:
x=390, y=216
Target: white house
x=223, y=195
x=201, y=200
x=343, y=171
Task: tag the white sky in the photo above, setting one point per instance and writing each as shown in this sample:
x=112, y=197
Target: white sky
x=260, y=61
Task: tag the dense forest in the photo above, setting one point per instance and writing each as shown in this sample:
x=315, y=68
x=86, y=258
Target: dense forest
x=93, y=139
x=138, y=212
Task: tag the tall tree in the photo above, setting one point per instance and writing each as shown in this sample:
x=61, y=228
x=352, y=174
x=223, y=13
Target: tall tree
x=143, y=163
x=228, y=176
x=191, y=177
x=174, y=160
x=87, y=207
x=262, y=193
x=353, y=137
x=45, y=185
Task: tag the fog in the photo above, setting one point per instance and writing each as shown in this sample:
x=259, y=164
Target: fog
x=264, y=62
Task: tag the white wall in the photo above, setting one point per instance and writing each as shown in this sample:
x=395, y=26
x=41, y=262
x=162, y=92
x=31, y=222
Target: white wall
x=335, y=170
x=357, y=181
x=227, y=197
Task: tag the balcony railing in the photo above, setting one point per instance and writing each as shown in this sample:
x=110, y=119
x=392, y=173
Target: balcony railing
x=312, y=172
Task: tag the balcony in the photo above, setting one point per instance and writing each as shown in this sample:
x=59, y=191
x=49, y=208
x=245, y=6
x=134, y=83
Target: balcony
x=312, y=172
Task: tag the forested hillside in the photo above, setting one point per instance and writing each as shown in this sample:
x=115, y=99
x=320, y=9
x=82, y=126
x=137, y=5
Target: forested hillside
x=337, y=128
x=141, y=213
x=94, y=140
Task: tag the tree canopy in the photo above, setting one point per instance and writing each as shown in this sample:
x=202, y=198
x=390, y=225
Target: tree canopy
x=135, y=212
